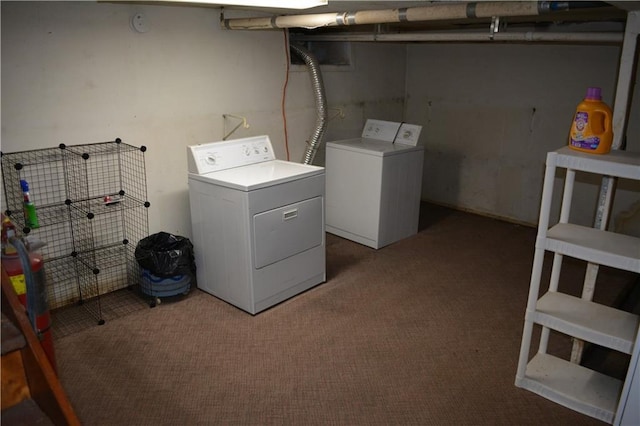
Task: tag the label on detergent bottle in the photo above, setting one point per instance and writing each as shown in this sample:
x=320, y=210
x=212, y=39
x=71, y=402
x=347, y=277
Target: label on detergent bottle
x=580, y=138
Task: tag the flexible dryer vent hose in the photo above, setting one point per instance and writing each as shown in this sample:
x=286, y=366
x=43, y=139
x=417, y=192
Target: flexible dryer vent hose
x=321, y=102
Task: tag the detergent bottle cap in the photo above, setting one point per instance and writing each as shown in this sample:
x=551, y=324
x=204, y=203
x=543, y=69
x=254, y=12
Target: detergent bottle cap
x=25, y=185
x=594, y=93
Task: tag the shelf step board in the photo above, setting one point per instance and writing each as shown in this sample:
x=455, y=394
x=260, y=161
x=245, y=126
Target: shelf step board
x=573, y=386
x=595, y=245
x=622, y=164
x=595, y=323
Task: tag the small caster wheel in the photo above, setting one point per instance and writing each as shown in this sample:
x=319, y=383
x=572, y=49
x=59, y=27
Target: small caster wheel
x=101, y=322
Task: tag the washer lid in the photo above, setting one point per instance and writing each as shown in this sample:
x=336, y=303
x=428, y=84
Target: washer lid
x=260, y=175
x=373, y=146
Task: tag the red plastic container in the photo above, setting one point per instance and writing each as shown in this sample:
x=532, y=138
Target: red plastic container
x=12, y=265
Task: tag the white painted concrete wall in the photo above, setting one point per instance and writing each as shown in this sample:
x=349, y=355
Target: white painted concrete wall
x=374, y=87
x=491, y=112
x=75, y=72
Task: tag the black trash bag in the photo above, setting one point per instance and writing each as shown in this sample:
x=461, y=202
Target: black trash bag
x=166, y=255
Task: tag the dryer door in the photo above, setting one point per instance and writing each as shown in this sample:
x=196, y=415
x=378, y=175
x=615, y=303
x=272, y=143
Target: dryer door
x=286, y=231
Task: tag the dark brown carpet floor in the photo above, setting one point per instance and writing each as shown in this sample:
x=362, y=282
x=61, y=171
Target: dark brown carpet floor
x=423, y=332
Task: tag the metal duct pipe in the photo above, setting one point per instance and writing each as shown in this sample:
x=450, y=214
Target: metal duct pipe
x=529, y=36
x=552, y=6
x=321, y=102
x=434, y=12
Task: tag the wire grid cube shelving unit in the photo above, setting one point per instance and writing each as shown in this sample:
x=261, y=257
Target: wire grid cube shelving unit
x=91, y=201
x=44, y=171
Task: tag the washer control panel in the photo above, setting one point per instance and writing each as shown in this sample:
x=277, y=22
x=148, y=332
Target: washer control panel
x=390, y=131
x=216, y=156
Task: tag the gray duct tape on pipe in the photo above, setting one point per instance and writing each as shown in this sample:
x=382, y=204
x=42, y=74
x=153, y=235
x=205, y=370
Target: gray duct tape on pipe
x=471, y=10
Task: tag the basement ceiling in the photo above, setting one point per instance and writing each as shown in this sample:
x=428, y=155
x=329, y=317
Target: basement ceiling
x=590, y=16
x=354, y=5
x=584, y=16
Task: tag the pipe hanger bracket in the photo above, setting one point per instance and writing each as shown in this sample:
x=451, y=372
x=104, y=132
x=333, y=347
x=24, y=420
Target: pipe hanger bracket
x=495, y=27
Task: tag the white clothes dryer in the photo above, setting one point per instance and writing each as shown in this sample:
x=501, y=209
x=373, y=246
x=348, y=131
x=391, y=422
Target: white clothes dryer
x=258, y=223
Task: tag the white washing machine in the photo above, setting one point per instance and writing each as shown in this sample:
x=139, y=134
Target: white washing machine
x=258, y=223
x=374, y=184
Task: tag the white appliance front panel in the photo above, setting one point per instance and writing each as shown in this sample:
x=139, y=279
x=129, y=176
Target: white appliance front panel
x=224, y=245
x=377, y=202
x=353, y=194
x=286, y=231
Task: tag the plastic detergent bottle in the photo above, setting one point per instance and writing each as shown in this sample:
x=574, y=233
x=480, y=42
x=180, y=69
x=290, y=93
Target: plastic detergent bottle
x=591, y=127
x=30, y=215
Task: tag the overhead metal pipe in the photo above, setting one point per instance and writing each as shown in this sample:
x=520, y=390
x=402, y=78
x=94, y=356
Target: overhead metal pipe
x=528, y=36
x=435, y=12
